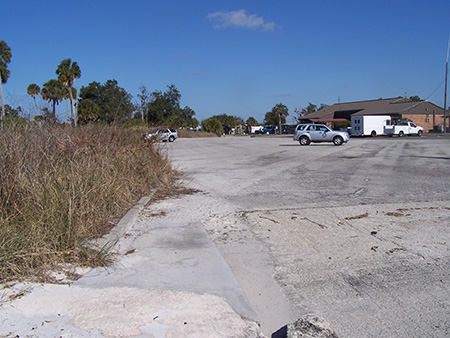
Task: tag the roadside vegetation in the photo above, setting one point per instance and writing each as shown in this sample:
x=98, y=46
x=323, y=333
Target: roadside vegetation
x=65, y=180
x=61, y=186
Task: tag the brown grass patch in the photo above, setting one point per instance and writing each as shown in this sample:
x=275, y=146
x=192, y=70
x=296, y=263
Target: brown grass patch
x=60, y=187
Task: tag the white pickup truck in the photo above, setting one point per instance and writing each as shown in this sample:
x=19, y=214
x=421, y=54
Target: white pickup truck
x=403, y=128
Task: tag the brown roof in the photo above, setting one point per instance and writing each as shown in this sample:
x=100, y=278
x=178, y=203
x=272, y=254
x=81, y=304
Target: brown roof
x=393, y=107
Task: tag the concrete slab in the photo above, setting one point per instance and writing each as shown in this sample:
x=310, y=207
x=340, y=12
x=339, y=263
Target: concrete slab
x=381, y=269
x=178, y=257
x=170, y=280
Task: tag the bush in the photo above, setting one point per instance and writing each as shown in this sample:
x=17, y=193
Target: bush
x=212, y=125
x=60, y=187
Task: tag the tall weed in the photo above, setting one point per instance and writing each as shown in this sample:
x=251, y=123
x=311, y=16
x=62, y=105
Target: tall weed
x=60, y=187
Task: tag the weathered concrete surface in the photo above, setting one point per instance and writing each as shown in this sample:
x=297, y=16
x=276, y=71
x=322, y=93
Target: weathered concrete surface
x=357, y=234
x=378, y=270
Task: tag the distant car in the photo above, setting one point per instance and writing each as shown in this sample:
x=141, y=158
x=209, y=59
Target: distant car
x=161, y=134
x=269, y=130
x=307, y=133
x=227, y=130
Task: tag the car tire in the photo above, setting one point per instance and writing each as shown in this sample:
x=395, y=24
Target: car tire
x=171, y=138
x=373, y=133
x=420, y=133
x=338, y=140
x=401, y=133
x=304, y=141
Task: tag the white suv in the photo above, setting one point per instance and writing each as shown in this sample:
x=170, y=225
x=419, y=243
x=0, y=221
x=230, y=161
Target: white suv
x=307, y=133
x=161, y=134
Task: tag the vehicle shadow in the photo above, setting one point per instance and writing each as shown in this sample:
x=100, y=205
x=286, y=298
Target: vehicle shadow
x=324, y=144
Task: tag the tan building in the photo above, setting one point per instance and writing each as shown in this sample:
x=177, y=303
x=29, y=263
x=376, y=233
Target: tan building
x=422, y=113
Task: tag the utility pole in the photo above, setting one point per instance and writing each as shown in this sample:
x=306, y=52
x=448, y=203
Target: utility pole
x=445, y=90
x=445, y=98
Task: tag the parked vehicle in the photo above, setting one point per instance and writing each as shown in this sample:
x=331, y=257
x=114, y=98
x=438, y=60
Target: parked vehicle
x=269, y=130
x=369, y=125
x=404, y=128
x=227, y=130
x=307, y=133
x=288, y=128
x=254, y=129
x=161, y=134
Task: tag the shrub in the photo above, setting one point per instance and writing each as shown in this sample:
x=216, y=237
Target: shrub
x=212, y=125
x=60, y=187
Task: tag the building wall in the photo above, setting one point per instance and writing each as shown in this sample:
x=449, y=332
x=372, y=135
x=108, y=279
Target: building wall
x=427, y=116
x=427, y=121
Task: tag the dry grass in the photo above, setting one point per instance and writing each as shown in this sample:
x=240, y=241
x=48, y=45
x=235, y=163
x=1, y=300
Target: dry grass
x=184, y=133
x=60, y=187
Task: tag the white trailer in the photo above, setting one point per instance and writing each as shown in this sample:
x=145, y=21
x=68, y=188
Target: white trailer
x=369, y=125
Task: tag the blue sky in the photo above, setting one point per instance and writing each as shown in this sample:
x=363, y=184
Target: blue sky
x=234, y=57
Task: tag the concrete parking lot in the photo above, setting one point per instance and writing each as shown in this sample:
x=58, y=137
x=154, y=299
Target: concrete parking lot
x=259, y=233
x=357, y=234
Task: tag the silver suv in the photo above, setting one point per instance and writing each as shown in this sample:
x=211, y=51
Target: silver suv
x=307, y=133
x=161, y=134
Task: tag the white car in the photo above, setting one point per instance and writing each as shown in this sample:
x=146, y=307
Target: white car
x=307, y=133
x=161, y=134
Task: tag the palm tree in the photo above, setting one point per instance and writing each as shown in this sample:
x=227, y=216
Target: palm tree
x=66, y=97
x=53, y=91
x=67, y=72
x=34, y=90
x=281, y=111
x=5, y=58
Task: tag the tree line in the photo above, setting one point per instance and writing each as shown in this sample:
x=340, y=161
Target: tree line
x=96, y=102
x=110, y=103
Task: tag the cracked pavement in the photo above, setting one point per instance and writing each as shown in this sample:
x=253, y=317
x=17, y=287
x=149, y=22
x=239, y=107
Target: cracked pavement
x=358, y=235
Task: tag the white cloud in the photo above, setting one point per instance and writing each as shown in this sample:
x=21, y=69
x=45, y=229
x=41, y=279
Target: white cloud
x=239, y=19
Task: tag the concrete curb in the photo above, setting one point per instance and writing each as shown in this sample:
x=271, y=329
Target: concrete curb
x=110, y=240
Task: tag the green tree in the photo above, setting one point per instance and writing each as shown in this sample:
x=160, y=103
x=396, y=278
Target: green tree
x=165, y=109
x=113, y=101
x=229, y=120
x=68, y=72
x=5, y=58
x=12, y=112
x=212, y=125
x=193, y=123
x=144, y=97
x=88, y=111
x=251, y=121
x=277, y=116
x=415, y=98
x=311, y=108
x=53, y=91
x=187, y=118
x=34, y=90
